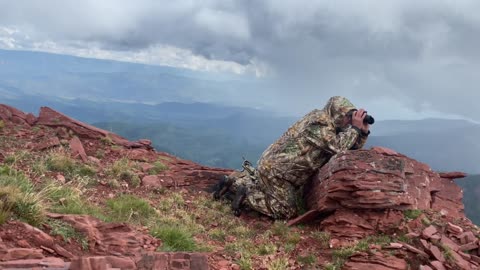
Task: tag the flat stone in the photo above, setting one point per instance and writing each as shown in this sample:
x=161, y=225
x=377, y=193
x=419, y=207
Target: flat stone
x=469, y=246
x=22, y=254
x=425, y=267
x=436, y=253
x=429, y=231
x=415, y=250
x=437, y=265
x=449, y=243
x=454, y=229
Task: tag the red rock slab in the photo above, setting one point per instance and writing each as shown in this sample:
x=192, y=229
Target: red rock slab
x=48, y=143
x=21, y=254
x=358, y=223
x=449, y=243
x=10, y=114
x=425, y=267
x=429, y=231
x=436, y=253
x=454, y=229
x=460, y=262
x=173, y=261
x=109, y=238
x=77, y=149
x=377, y=261
x=452, y=175
x=438, y=265
x=372, y=179
x=49, y=262
x=102, y=262
x=467, y=237
x=469, y=246
x=52, y=118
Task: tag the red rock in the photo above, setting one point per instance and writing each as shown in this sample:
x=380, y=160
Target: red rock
x=31, y=119
x=76, y=147
x=145, y=142
x=460, y=261
x=469, y=246
x=452, y=175
x=436, y=253
x=49, y=143
x=60, y=178
x=52, y=118
x=415, y=250
x=140, y=155
x=151, y=181
x=21, y=254
x=108, y=238
x=49, y=262
x=224, y=263
x=373, y=179
x=449, y=243
x=146, y=167
x=377, y=261
x=23, y=243
x=394, y=246
x=426, y=245
x=90, y=263
x=429, y=231
x=467, y=237
x=437, y=265
x=10, y=114
x=475, y=258
x=454, y=229
x=425, y=267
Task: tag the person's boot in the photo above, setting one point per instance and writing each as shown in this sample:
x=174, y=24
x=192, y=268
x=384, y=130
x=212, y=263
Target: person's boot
x=222, y=187
x=237, y=202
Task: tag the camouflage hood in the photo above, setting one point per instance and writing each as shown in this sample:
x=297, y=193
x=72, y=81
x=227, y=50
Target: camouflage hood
x=337, y=107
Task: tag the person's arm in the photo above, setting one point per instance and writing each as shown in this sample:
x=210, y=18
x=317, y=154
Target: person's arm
x=362, y=139
x=325, y=137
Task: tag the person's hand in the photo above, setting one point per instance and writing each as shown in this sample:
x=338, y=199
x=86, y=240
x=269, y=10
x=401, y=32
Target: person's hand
x=357, y=120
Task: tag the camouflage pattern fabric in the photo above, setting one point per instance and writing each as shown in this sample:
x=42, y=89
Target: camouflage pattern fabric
x=291, y=161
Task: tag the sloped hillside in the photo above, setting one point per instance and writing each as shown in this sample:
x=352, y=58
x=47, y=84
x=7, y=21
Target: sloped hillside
x=73, y=196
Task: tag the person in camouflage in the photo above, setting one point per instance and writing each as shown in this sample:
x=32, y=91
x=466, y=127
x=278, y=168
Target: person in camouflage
x=286, y=165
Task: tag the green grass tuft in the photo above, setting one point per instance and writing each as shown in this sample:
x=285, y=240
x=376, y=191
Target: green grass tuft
x=412, y=213
x=67, y=232
x=158, y=167
x=129, y=208
x=174, y=238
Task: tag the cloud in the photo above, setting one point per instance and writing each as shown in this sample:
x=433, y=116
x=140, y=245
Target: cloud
x=418, y=54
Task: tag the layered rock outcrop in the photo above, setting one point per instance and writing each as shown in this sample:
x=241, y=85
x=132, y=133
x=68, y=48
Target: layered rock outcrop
x=380, y=179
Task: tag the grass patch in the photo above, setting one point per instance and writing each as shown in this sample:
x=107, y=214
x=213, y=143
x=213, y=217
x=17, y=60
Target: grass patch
x=61, y=161
x=67, y=199
x=2, y=124
x=322, y=237
x=19, y=199
x=158, y=167
x=412, y=214
x=307, y=260
x=122, y=169
x=174, y=238
x=278, y=264
x=447, y=253
x=67, y=232
x=267, y=249
x=129, y=208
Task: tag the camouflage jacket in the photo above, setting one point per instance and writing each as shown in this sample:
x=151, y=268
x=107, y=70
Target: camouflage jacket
x=309, y=143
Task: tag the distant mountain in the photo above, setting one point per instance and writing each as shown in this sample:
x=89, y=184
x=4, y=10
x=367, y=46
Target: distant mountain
x=62, y=76
x=471, y=196
x=446, y=145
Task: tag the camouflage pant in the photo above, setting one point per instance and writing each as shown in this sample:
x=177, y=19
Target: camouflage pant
x=274, y=198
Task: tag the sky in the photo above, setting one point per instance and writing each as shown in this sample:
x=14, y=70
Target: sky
x=399, y=59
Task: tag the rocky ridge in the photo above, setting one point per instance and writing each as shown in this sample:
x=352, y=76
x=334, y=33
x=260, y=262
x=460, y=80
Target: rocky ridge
x=368, y=209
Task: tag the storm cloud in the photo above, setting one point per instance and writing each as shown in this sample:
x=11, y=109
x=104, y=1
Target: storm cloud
x=394, y=57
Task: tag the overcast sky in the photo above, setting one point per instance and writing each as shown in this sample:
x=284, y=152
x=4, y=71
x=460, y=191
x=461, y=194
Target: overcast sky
x=397, y=58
